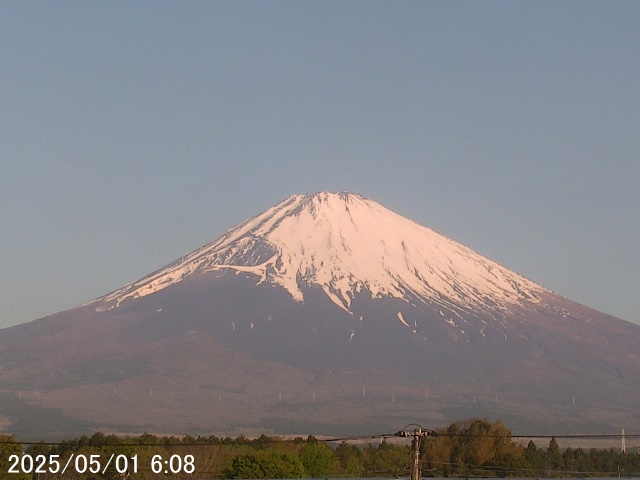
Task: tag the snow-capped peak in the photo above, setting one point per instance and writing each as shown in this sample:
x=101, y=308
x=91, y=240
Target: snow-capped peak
x=347, y=244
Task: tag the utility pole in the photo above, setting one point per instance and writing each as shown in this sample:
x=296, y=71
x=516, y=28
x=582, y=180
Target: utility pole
x=415, y=447
x=417, y=435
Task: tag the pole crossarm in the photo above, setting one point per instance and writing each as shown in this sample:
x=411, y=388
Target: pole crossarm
x=417, y=433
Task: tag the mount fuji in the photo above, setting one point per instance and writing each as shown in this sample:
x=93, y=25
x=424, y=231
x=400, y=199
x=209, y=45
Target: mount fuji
x=327, y=313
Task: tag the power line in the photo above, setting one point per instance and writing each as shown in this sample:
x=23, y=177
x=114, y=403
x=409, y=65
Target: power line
x=404, y=432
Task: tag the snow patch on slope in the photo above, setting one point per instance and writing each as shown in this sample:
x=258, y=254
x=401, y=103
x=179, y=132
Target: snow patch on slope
x=402, y=320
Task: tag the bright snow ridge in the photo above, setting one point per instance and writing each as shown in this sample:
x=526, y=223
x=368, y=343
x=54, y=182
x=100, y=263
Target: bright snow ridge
x=347, y=244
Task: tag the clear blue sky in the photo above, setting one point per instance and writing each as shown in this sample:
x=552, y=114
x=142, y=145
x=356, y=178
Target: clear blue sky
x=133, y=132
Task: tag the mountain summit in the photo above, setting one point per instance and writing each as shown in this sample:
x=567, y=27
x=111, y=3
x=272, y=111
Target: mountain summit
x=327, y=313
x=348, y=245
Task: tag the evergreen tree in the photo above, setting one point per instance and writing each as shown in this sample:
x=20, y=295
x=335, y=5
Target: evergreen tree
x=553, y=455
x=534, y=457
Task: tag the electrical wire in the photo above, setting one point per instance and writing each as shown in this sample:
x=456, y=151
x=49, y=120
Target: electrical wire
x=406, y=431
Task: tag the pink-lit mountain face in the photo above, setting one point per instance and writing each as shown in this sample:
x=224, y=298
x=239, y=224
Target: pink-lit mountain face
x=325, y=313
x=348, y=246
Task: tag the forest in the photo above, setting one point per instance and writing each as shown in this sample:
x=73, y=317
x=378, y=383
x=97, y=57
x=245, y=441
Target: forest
x=470, y=448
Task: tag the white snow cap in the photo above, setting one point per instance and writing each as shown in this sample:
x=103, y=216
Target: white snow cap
x=347, y=244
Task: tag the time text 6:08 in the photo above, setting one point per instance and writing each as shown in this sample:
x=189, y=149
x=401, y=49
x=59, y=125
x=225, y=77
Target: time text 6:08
x=81, y=463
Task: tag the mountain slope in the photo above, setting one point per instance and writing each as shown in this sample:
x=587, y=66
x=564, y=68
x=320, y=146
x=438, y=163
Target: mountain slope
x=346, y=244
x=326, y=313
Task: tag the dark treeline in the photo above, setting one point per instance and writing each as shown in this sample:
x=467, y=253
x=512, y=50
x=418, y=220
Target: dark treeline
x=472, y=448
